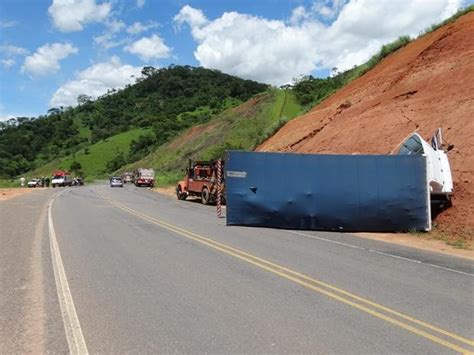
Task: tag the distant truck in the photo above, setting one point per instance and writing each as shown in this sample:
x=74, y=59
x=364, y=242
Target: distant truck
x=144, y=177
x=61, y=178
x=200, y=181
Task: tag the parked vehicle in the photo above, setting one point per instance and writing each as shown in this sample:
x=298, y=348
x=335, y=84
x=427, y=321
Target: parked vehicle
x=34, y=183
x=127, y=178
x=77, y=181
x=61, y=178
x=144, y=177
x=201, y=181
x=116, y=181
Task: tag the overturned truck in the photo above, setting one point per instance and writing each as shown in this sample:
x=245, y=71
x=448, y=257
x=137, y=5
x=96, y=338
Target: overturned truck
x=339, y=192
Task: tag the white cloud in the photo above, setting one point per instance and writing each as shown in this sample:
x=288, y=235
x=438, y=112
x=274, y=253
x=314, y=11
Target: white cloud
x=276, y=51
x=7, y=24
x=8, y=63
x=138, y=27
x=108, y=39
x=140, y=3
x=298, y=14
x=193, y=17
x=72, y=15
x=148, y=48
x=96, y=81
x=328, y=8
x=11, y=51
x=46, y=58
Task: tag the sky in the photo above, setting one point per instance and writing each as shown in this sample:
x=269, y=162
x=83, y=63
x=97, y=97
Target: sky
x=52, y=51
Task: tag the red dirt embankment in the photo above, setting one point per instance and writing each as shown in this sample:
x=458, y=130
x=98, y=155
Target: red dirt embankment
x=425, y=85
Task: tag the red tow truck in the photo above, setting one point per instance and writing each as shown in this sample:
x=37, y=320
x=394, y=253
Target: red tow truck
x=201, y=181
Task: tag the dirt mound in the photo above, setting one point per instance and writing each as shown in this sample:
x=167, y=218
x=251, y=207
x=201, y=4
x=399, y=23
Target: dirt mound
x=426, y=85
x=192, y=133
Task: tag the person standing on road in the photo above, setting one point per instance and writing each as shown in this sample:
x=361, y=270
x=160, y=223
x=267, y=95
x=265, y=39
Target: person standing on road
x=22, y=181
x=46, y=181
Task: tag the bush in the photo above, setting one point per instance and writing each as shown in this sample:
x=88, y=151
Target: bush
x=117, y=162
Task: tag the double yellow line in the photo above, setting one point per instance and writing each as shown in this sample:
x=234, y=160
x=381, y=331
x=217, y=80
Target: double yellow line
x=389, y=315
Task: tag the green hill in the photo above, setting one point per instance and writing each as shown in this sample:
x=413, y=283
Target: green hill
x=243, y=127
x=94, y=158
x=167, y=101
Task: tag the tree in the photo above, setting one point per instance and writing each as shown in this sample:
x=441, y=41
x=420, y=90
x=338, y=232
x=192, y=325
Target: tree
x=54, y=111
x=84, y=99
x=117, y=162
x=149, y=71
x=75, y=166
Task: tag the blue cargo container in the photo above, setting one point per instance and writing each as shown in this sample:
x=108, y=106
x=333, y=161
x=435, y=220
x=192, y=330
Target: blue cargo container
x=327, y=192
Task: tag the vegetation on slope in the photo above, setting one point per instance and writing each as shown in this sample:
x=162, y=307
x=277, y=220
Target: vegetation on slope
x=94, y=159
x=243, y=127
x=166, y=100
x=311, y=91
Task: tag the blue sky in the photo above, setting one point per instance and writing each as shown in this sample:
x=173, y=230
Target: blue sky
x=53, y=51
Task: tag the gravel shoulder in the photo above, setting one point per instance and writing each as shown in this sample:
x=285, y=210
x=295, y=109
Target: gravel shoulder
x=9, y=193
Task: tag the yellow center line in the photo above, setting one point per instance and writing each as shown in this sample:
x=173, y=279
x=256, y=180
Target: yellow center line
x=311, y=283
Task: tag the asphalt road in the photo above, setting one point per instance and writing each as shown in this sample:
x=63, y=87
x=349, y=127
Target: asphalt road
x=129, y=270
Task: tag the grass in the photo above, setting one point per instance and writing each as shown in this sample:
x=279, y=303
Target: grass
x=84, y=131
x=453, y=18
x=459, y=239
x=4, y=183
x=94, y=158
x=240, y=128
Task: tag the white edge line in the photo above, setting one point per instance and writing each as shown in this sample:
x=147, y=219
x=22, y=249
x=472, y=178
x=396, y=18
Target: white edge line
x=72, y=327
x=380, y=253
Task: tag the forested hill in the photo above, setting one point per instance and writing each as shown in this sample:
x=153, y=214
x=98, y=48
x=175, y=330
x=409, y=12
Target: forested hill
x=164, y=100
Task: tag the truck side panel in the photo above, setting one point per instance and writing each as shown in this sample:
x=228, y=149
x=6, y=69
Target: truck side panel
x=327, y=192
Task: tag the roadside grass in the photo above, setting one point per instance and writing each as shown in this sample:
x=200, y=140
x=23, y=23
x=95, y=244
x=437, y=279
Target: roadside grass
x=168, y=179
x=9, y=183
x=458, y=239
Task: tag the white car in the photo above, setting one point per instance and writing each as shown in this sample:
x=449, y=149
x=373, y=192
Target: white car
x=34, y=183
x=116, y=182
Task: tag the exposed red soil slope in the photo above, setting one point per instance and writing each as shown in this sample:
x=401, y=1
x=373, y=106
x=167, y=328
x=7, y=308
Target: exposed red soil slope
x=425, y=85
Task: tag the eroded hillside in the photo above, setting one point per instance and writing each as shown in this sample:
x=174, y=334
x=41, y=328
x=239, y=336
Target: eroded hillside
x=426, y=85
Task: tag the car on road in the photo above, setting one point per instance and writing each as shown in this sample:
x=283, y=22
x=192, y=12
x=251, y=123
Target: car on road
x=116, y=181
x=127, y=178
x=34, y=183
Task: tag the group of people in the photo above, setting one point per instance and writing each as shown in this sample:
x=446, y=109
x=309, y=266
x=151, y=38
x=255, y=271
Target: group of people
x=40, y=182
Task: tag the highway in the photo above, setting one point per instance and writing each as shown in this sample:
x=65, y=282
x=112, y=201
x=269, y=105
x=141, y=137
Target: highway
x=101, y=270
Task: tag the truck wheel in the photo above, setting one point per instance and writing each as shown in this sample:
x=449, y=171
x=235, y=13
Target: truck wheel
x=205, y=196
x=180, y=194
